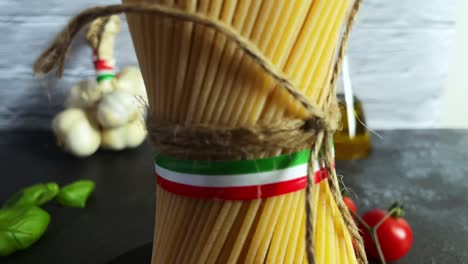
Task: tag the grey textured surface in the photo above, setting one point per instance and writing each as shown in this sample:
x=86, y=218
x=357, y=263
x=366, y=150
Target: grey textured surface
x=398, y=52
x=427, y=171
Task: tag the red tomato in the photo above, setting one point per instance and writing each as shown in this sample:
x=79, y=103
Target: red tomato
x=394, y=235
x=350, y=204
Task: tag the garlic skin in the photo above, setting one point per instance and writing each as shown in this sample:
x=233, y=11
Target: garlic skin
x=131, y=80
x=84, y=94
x=106, y=86
x=105, y=48
x=116, y=109
x=130, y=135
x=77, y=133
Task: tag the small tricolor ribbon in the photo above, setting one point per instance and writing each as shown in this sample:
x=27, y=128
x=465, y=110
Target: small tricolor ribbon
x=236, y=180
x=104, y=68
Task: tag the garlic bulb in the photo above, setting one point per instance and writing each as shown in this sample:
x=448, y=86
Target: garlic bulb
x=84, y=94
x=76, y=132
x=130, y=135
x=107, y=112
x=117, y=108
x=131, y=80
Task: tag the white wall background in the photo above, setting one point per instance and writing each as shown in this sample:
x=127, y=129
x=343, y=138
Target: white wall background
x=455, y=103
x=399, y=60
x=399, y=55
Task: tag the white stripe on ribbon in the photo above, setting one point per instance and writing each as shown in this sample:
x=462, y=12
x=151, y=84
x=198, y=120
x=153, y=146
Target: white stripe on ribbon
x=236, y=180
x=102, y=72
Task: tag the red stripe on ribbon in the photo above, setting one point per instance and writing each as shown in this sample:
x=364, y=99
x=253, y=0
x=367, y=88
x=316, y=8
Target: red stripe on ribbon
x=233, y=193
x=102, y=65
x=320, y=175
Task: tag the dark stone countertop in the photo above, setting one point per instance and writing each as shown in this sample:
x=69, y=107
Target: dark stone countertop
x=119, y=216
x=424, y=169
x=427, y=170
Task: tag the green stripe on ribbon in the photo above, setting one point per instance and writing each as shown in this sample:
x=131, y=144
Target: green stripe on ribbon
x=103, y=77
x=207, y=167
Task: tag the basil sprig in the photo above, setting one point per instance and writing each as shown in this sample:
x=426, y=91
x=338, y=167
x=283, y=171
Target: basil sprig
x=37, y=195
x=76, y=194
x=23, y=222
x=20, y=227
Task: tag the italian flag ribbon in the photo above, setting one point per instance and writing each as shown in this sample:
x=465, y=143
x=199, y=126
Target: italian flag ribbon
x=104, y=68
x=236, y=180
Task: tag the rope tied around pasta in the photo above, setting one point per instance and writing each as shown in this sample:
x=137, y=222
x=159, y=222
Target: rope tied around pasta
x=210, y=142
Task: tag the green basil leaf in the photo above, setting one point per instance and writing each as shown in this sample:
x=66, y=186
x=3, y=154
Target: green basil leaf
x=37, y=195
x=76, y=194
x=20, y=227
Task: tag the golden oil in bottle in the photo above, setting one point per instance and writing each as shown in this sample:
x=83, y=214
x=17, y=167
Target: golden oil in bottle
x=352, y=142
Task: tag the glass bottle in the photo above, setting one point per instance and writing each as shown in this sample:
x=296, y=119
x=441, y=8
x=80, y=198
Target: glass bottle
x=352, y=141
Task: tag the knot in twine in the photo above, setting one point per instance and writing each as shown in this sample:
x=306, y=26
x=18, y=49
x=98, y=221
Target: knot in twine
x=205, y=141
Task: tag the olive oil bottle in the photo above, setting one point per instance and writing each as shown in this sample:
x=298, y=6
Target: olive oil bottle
x=353, y=140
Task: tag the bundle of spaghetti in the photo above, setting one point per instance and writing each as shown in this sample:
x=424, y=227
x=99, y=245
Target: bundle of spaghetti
x=195, y=75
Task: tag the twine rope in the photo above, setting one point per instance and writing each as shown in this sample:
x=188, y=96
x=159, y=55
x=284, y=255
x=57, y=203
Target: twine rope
x=211, y=142
x=95, y=31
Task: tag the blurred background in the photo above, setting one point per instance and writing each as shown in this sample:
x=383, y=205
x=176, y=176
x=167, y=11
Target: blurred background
x=406, y=61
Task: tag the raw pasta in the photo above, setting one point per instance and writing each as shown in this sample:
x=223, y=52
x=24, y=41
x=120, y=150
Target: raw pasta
x=195, y=75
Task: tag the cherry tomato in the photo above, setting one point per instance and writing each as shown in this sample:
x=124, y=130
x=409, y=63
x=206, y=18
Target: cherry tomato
x=394, y=235
x=350, y=204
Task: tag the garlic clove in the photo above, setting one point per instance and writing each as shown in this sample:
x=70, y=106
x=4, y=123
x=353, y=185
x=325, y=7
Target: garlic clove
x=83, y=140
x=131, y=80
x=84, y=94
x=117, y=108
x=131, y=135
x=136, y=133
x=76, y=132
x=114, y=138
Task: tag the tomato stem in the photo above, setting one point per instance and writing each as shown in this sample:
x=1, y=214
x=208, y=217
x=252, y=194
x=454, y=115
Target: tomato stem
x=397, y=209
x=345, y=193
x=375, y=237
